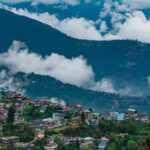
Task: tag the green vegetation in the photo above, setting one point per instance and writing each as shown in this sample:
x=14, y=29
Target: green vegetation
x=126, y=135
x=129, y=134
x=39, y=143
x=34, y=112
x=23, y=131
x=10, y=119
x=38, y=86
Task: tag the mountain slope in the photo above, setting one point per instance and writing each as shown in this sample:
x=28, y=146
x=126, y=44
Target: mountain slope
x=41, y=87
x=37, y=86
x=126, y=59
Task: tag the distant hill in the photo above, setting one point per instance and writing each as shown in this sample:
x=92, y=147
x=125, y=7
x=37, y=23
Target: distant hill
x=37, y=86
x=42, y=87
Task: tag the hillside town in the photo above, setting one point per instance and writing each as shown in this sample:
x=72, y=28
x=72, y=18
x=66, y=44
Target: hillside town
x=27, y=124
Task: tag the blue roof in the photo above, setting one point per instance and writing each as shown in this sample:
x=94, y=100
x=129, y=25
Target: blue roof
x=121, y=117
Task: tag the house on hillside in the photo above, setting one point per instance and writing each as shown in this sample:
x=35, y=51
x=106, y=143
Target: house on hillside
x=7, y=141
x=103, y=142
x=144, y=118
x=120, y=117
x=2, y=117
x=71, y=140
x=87, y=142
x=79, y=107
x=25, y=146
x=92, y=119
x=51, y=145
x=117, y=116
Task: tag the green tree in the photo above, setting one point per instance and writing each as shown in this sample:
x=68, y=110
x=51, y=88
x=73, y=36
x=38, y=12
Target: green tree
x=132, y=145
x=112, y=146
x=82, y=117
x=11, y=115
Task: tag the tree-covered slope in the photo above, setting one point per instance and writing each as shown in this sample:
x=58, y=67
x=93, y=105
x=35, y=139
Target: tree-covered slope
x=125, y=61
x=116, y=59
x=38, y=87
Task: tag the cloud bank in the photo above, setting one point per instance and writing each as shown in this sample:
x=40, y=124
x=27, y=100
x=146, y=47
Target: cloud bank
x=126, y=22
x=75, y=70
x=6, y=80
x=75, y=27
x=58, y=101
x=124, y=26
x=136, y=27
x=105, y=85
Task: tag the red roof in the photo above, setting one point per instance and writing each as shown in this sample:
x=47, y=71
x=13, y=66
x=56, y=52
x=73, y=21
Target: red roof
x=104, y=139
x=2, y=116
x=79, y=106
x=26, y=101
x=17, y=104
x=40, y=135
x=67, y=108
x=18, y=99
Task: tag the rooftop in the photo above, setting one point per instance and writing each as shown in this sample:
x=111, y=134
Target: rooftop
x=10, y=138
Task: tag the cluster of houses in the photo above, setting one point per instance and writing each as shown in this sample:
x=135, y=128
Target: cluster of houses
x=129, y=114
x=92, y=118
x=87, y=142
x=84, y=142
x=134, y=114
x=13, y=141
x=58, y=119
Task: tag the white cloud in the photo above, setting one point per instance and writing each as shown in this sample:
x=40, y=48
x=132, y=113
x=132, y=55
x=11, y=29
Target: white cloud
x=85, y=29
x=75, y=70
x=106, y=9
x=131, y=90
x=148, y=79
x=103, y=27
x=49, y=2
x=58, y=101
x=105, y=85
x=137, y=4
x=75, y=27
x=136, y=27
x=80, y=28
x=123, y=26
x=7, y=80
x=131, y=24
x=121, y=7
